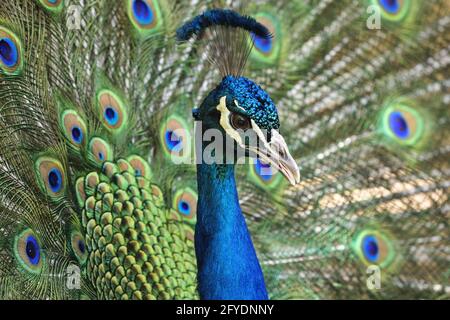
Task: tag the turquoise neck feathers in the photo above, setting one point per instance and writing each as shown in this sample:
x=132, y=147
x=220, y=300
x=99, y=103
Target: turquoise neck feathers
x=227, y=264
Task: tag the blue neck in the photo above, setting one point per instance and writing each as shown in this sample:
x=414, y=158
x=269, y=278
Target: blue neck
x=228, y=268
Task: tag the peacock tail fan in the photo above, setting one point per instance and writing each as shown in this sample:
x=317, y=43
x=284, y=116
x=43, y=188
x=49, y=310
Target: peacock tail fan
x=98, y=187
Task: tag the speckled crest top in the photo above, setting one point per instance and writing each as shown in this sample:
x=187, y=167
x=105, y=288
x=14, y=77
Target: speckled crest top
x=253, y=99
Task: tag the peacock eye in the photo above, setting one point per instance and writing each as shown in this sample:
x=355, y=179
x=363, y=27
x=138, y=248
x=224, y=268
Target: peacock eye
x=79, y=246
x=239, y=121
x=28, y=251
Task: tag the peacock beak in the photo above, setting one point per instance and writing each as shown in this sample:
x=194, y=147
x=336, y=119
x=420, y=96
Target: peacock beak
x=276, y=153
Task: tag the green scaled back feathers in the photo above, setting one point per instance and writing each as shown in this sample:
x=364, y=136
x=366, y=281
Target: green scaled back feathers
x=92, y=100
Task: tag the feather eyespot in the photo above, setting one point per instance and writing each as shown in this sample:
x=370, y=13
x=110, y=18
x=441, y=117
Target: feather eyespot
x=143, y=12
x=172, y=140
x=78, y=245
x=55, y=180
x=399, y=125
x=10, y=52
x=100, y=150
x=175, y=137
x=51, y=176
x=111, y=116
x=74, y=128
x=28, y=251
x=264, y=175
x=370, y=248
x=145, y=15
x=140, y=166
x=112, y=110
x=390, y=6
x=264, y=171
x=52, y=5
x=403, y=124
x=375, y=247
x=267, y=50
x=393, y=10
x=264, y=45
x=185, y=202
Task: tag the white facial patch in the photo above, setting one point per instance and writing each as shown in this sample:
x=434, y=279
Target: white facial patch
x=226, y=125
x=274, y=152
x=225, y=120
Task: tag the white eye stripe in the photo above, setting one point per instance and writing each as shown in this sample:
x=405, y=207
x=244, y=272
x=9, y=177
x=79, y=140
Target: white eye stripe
x=237, y=105
x=225, y=121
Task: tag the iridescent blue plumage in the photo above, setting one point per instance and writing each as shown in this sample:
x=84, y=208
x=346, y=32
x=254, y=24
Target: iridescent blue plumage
x=262, y=44
x=111, y=116
x=172, y=140
x=184, y=208
x=228, y=267
x=263, y=170
x=391, y=6
x=142, y=12
x=8, y=52
x=221, y=17
x=251, y=97
x=55, y=180
x=77, y=134
x=370, y=248
x=227, y=264
x=32, y=250
x=398, y=125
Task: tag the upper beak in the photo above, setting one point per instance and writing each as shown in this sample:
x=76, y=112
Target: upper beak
x=277, y=154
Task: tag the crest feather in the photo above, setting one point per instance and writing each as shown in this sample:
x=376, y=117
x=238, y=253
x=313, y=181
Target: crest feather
x=228, y=38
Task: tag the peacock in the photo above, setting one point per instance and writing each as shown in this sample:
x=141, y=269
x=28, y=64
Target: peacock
x=113, y=115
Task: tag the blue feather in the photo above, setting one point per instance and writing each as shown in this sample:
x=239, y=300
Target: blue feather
x=142, y=12
x=391, y=6
x=256, y=102
x=32, y=250
x=221, y=17
x=228, y=267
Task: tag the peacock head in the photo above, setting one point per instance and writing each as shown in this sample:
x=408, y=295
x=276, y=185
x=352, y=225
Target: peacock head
x=246, y=115
x=239, y=108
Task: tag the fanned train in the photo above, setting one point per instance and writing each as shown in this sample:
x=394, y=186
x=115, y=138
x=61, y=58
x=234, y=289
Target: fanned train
x=100, y=197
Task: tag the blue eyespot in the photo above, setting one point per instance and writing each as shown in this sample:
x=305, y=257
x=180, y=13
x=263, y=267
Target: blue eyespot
x=142, y=12
x=391, y=6
x=399, y=125
x=33, y=250
x=262, y=44
x=184, y=208
x=111, y=116
x=173, y=142
x=263, y=170
x=185, y=203
x=370, y=248
x=55, y=180
x=27, y=251
x=77, y=134
x=81, y=246
x=137, y=173
x=8, y=52
x=101, y=156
